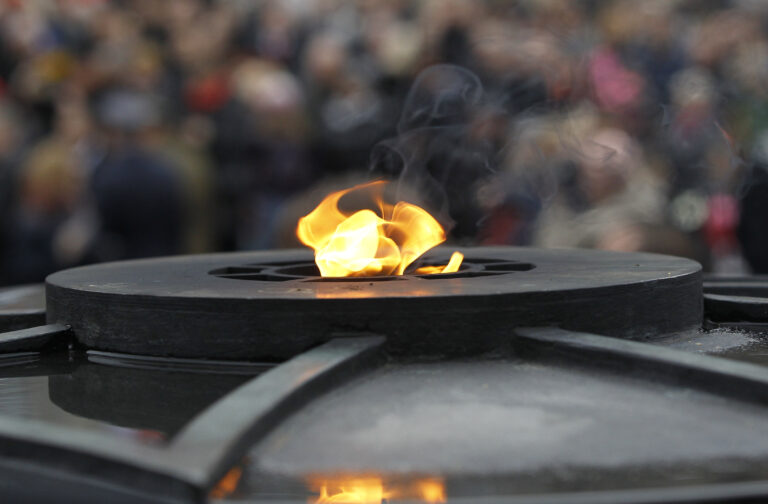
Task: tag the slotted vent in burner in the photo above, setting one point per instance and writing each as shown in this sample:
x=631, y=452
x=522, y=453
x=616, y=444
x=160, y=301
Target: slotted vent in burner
x=308, y=272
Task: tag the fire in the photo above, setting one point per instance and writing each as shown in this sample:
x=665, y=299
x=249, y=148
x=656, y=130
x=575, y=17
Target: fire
x=372, y=490
x=453, y=265
x=432, y=491
x=228, y=484
x=369, y=244
x=353, y=491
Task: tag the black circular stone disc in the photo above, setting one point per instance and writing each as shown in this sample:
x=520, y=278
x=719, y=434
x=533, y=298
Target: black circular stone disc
x=260, y=305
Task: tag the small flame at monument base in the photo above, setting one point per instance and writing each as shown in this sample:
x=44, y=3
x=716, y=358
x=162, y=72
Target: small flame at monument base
x=365, y=243
x=453, y=265
x=372, y=490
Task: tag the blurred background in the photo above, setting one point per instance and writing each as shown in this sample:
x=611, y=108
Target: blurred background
x=139, y=128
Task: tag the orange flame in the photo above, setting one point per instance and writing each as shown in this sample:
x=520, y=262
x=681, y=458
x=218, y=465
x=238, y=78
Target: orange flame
x=353, y=491
x=228, y=484
x=453, y=265
x=367, y=244
x=432, y=491
x=371, y=490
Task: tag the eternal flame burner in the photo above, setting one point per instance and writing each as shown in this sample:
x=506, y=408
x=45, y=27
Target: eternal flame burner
x=273, y=305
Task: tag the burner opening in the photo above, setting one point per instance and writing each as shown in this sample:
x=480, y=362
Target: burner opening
x=510, y=266
x=298, y=270
x=386, y=278
x=308, y=271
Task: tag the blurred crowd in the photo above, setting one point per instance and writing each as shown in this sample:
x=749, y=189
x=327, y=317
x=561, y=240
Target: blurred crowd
x=138, y=128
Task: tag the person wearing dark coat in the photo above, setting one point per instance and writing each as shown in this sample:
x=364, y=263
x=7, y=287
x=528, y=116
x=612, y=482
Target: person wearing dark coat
x=139, y=203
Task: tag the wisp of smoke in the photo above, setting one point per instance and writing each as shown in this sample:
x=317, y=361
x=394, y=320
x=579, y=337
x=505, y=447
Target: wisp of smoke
x=445, y=144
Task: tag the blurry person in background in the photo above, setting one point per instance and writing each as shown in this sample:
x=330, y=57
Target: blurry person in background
x=607, y=201
x=647, y=37
x=12, y=141
x=184, y=147
x=207, y=127
x=611, y=200
x=348, y=116
x=529, y=179
x=49, y=188
x=136, y=192
x=692, y=128
x=272, y=30
x=277, y=162
x=705, y=170
x=54, y=222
